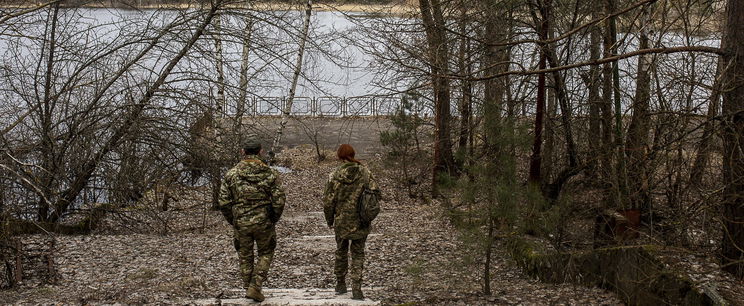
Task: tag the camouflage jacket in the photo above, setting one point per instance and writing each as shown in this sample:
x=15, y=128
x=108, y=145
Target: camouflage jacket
x=340, y=199
x=248, y=190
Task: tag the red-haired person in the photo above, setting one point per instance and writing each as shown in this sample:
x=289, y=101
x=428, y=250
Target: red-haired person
x=344, y=187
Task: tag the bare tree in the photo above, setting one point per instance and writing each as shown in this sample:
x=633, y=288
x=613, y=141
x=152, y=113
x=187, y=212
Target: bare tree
x=244, y=62
x=543, y=30
x=438, y=51
x=286, y=111
x=88, y=109
x=639, y=128
x=733, y=140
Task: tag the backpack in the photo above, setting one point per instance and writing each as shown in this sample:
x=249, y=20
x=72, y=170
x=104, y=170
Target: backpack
x=368, y=205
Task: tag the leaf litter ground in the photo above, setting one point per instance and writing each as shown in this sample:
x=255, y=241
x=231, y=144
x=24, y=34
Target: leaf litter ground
x=186, y=253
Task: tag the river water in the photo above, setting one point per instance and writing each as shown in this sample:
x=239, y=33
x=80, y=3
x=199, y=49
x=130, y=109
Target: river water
x=332, y=67
x=337, y=74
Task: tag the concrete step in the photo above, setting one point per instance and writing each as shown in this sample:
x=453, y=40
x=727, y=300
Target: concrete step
x=313, y=296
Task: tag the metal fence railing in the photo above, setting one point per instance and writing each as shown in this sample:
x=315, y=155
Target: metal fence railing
x=324, y=106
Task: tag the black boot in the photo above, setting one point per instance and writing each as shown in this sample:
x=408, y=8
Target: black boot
x=356, y=291
x=340, y=286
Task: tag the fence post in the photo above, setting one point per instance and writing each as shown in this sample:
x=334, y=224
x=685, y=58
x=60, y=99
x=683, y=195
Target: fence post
x=374, y=106
x=344, y=106
x=312, y=106
x=254, y=106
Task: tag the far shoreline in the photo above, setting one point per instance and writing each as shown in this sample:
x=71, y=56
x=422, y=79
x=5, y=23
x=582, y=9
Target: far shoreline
x=392, y=8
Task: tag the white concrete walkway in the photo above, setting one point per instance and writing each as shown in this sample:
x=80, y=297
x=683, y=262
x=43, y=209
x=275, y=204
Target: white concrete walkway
x=318, y=297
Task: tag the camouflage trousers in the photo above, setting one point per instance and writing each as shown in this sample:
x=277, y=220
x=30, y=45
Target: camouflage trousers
x=357, y=258
x=264, y=237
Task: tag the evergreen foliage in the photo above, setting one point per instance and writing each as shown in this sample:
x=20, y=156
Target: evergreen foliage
x=404, y=148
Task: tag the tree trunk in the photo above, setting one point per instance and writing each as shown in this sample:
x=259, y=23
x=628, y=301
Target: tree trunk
x=495, y=58
x=621, y=174
x=244, y=63
x=219, y=63
x=704, y=147
x=47, y=150
x=83, y=175
x=445, y=161
x=733, y=140
x=595, y=100
x=551, y=190
x=466, y=99
x=496, y=143
x=549, y=152
x=298, y=69
x=535, y=176
x=638, y=130
x=606, y=108
x=565, y=107
x=434, y=26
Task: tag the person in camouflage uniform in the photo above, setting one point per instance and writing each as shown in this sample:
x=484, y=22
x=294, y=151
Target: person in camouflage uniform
x=252, y=201
x=344, y=187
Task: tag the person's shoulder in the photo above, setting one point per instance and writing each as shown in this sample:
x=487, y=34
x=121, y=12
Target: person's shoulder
x=364, y=168
x=252, y=165
x=242, y=168
x=230, y=176
x=233, y=171
x=337, y=172
x=332, y=175
x=260, y=168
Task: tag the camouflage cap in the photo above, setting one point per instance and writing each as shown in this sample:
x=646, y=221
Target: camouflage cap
x=251, y=145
